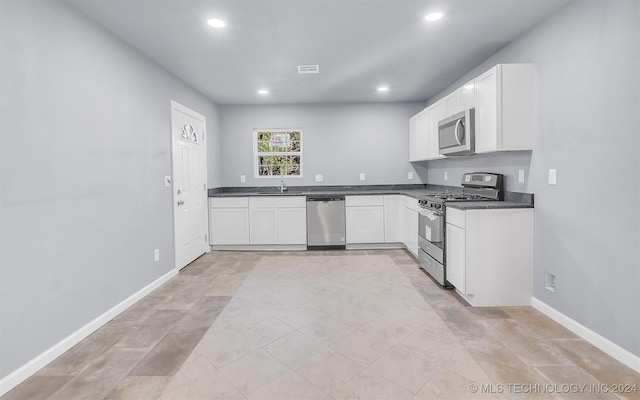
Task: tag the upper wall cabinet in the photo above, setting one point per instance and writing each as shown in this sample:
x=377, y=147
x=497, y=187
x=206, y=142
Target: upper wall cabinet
x=423, y=133
x=418, y=136
x=435, y=114
x=461, y=99
x=503, y=99
x=503, y=102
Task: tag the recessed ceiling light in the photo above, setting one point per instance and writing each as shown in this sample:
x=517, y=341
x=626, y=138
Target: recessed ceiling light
x=216, y=23
x=263, y=91
x=383, y=88
x=434, y=16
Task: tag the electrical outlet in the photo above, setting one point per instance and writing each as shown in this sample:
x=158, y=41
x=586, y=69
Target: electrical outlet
x=243, y=178
x=156, y=255
x=319, y=178
x=362, y=176
x=410, y=175
x=167, y=181
x=553, y=177
x=520, y=176
x=446, y=176
x=550, y=281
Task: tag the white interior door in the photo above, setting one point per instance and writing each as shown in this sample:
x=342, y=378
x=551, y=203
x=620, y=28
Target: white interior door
x=189, y=184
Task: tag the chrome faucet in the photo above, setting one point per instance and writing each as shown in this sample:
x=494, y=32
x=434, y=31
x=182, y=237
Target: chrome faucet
x=283, y=185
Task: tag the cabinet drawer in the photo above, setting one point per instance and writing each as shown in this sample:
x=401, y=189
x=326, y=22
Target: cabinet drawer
x=278, y=201
x=350, y=201
x=456, y=217
x=228, y=202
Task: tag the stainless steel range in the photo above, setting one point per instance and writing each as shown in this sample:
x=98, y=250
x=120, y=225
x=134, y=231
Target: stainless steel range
x=476, y=186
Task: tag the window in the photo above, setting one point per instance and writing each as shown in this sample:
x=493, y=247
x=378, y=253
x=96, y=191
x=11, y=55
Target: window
x=277, y=152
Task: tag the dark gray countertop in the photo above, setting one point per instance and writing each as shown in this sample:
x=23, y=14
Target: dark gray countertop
x=408, y=190
x=487, y=205
x=512, y=199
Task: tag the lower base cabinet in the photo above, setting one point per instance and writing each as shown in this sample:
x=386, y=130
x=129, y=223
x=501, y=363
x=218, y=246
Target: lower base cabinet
x=229, y=221
x=244, y=221
x=278, y=220
x=489, y=255
x=410, y=224
x=292, y=225
x=364, y=216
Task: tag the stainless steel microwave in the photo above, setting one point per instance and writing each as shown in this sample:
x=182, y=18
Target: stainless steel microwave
x=456, y=134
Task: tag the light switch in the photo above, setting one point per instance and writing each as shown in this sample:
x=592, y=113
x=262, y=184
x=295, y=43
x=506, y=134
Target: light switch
x=410, y=175
x=445, y=175
x=553, y=177
x=520, y=176
x=362, y=176
x=243, y=178
x=318, y=177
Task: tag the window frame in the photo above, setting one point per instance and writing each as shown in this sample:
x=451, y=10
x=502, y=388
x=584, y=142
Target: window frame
x=256, y=154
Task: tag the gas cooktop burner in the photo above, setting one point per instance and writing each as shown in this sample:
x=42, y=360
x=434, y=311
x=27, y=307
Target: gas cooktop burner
x=455, y=197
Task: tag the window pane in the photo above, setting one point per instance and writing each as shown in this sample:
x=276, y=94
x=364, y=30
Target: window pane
x=278, y=152
x=264, y=171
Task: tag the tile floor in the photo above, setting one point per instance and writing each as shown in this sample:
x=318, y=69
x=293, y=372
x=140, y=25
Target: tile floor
x=323, y=325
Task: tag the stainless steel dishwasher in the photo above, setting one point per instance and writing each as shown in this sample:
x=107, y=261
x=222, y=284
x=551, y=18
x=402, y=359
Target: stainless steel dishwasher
x=325, y=222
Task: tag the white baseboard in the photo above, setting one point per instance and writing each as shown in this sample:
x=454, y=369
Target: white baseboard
x=624, y=356
x=259, y=247
x=23, y=373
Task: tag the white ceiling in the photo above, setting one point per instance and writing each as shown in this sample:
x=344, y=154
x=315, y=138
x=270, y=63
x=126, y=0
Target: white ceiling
x=359, y=44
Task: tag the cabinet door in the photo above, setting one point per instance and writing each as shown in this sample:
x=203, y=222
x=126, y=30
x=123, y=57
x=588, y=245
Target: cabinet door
x=229, y=226
x=436, y=113
x=486, y=114
x=263, y=226
x=418, y=137
x=467, y=96
x=393, y=219
x=452, y=102
x=365, y=224
x=413, y=138
x=456, y=257
x=411, y=230
x=292, y=225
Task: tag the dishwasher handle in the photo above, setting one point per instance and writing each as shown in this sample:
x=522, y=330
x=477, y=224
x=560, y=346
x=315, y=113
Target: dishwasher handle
x=325, y=198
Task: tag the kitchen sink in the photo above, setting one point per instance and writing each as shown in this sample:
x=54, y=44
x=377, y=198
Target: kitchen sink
x=288, y=193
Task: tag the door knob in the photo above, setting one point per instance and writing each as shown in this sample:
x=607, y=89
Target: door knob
x=179, y=191
x=180, y=202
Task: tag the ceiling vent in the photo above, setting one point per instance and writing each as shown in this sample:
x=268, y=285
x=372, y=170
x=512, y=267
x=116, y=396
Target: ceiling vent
x=308, y=69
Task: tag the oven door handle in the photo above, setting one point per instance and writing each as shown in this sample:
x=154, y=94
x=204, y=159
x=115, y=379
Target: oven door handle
x=427, y=212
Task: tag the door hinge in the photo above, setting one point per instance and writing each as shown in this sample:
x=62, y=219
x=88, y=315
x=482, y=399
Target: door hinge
x=206, y=239
x=204, y=185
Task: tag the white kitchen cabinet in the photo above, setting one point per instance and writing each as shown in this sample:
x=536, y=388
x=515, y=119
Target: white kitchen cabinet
x=460, y=100
x=364, y=219
x=229, y=221
x=455, y=257
x=435, y=114
x=278, y=220
x=263, y=225
x=393, y=207
x=410, y=224
x=489, y=255
x=503, y=99
x=292, y=225
x=418, y=141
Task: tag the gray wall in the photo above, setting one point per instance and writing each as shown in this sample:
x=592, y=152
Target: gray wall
x=339, y=141
x=587, y=228
x=85, y=143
